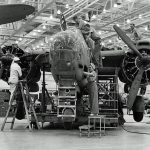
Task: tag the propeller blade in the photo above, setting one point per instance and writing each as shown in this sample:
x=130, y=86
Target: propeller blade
x=134, y=89
x=127, y=40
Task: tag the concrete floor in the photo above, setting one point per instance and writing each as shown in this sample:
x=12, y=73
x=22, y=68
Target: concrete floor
x=59, y=139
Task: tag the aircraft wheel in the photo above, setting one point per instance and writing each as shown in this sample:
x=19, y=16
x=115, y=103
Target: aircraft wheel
x=138, y=116
x=138, y=108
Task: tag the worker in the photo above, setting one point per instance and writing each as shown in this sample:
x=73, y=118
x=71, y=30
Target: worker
x=15, y=74
x=86, y=29
x=135, y=34
x=92, y=89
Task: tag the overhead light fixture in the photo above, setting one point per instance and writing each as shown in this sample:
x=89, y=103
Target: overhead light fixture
x=37, y=46
x=58, y=12
x=39, y=31
x=99, y=32
x=104, y=10
x=17, y=42
x=44, y=27
x=110, y=41
x=34, y=33
x=51, y=16
x=128, y=21
x=34, y=48
x=51, y=38
x=146, y=28
x=140, y=16
x=42, y=44
x=115, y=5
x=20, y=39
x=76, y=0
x=103, y=44
x=117, y=25
x=67, y=5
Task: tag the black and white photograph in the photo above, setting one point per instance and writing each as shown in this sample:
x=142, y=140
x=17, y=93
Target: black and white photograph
x=74, y=74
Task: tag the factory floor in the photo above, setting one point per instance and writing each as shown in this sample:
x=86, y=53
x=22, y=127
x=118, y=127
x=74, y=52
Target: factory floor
x=59, y=139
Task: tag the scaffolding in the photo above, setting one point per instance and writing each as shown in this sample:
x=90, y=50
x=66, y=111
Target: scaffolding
x=108, y=98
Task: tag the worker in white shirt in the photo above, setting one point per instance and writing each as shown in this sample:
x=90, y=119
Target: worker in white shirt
x=15, y=74
x=92, y=89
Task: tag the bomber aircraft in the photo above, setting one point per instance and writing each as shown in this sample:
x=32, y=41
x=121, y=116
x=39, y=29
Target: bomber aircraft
x=69, y=56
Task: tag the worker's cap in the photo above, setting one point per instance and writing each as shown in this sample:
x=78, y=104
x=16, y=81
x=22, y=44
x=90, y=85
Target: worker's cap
x=92, y=65
x=16, y=59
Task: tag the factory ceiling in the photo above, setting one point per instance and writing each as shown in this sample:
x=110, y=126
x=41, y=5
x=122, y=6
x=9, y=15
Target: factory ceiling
x=32, y=33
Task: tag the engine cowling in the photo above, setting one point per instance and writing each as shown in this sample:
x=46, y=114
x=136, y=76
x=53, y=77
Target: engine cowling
x=130, y=67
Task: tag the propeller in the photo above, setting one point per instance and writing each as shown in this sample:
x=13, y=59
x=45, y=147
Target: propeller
x=145, y=60
x=127, y=40
x=134, y=88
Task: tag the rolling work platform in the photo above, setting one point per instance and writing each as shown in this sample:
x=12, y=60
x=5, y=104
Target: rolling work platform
x=108, y=98
x=27, y=102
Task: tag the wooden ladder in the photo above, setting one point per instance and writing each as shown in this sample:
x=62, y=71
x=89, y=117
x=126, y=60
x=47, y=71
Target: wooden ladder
x=26, y=98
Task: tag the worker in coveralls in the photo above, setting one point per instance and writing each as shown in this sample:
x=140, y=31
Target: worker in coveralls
x=88, y=32
x=92, y=89
x=135, y=34
x=91, y=37
x=15, y=73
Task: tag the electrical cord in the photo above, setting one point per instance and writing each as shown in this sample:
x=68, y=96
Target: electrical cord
x=136, y=132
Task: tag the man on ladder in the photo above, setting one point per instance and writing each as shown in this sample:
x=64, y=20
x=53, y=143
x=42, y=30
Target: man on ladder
x=15, y=74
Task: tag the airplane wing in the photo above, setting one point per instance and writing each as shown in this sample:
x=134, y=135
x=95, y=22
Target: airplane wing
x=14, y=12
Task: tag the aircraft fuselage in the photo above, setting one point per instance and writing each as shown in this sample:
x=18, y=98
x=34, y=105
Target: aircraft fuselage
x=69, y=56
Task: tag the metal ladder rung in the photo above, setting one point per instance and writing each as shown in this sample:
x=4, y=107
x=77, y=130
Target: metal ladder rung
x=9, y=122
x=67, y=106
x=74, y=97
x=66, y=87
x=66, y=116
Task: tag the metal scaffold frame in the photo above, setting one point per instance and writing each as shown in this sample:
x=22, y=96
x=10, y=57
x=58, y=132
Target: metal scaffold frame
x=108, y=98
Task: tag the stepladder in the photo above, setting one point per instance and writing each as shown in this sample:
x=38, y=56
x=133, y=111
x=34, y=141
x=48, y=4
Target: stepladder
x=27, y=102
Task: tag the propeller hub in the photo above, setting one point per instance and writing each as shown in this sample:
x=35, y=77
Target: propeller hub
x=143, y=62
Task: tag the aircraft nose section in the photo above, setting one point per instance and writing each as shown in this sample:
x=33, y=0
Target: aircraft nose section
x=63, y=50
x=63, y=59
x=66, y=40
